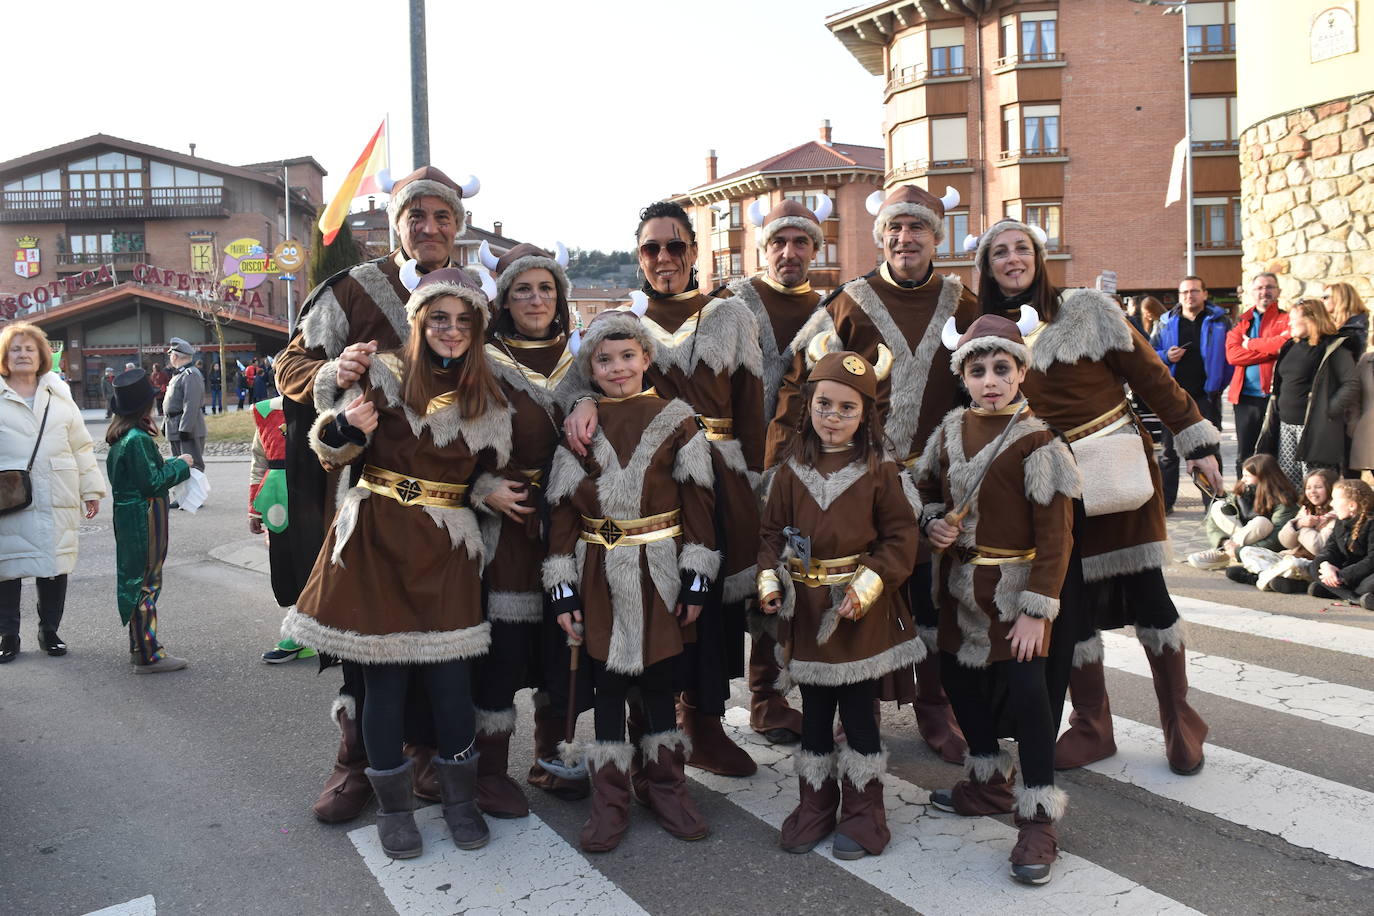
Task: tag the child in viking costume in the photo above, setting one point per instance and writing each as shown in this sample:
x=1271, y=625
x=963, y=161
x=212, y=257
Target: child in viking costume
x=997, y=486
x=267, y=513
x=631, y=559
x=397, y=587
x=838, y=540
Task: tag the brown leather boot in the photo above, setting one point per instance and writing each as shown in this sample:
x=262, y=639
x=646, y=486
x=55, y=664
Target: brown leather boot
x=710, y=748
x=664, y=759
x=862, y=828
x=1184, y=730
x=347, y=791
x=497, y=794
x=1037, y=841
x=814, y=817
x=635, y=724
x=985, y=789
x=548, y=731
x=609, y=765
x=769, y=714
x=1089, y=737
x=934, y=716
x=426, y=778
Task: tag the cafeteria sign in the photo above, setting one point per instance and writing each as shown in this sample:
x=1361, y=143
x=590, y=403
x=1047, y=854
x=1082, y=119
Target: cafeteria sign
x=247, y=264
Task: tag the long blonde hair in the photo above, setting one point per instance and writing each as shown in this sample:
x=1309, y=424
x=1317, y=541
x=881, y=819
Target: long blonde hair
x=1344, y=302
x=1319, y=323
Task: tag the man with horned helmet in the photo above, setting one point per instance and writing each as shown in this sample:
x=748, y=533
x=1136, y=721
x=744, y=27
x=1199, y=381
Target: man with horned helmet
x=342, y=323
x=893, y=317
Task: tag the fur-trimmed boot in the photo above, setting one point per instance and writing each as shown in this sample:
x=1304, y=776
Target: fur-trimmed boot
x=985, y=789
x=665, y=756
x=862, y=828
x=1038, y=808
x=815, y=815
x=1184, y=730
x=711, y=749
x=1089, y=737
x=347, y=791
x=548, y=731
x=934, y=716
x=396, y=816
x=609, y=765
x=497, y=794
x=769, y=713
x=458, y=788
x=426, y=779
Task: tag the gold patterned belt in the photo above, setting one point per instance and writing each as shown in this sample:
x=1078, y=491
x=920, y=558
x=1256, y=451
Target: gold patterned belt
x=412, y=491
x=1109, y=422
x=910, y=460
x=631, y=532
x=990, y=556
x=717, y=428
x=820, y=572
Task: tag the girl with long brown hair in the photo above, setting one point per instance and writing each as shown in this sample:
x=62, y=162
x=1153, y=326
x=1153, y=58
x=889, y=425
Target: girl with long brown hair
x=1251, y=515
x=1345, y=567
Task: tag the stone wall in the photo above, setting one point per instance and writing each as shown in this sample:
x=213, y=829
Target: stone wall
x=1307, y=197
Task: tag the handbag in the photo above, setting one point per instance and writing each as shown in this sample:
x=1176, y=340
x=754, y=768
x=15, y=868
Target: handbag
x=16, y=486
x=1116, y=473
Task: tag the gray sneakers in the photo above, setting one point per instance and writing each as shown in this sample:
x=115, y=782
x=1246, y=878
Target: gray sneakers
x=166, y=663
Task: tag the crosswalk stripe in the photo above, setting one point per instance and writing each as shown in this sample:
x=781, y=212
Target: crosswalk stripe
x=141, y=906
x=1305, y=810
x=1282, y=627
x=1280, y=691
x=526, y=868
x=936, y=862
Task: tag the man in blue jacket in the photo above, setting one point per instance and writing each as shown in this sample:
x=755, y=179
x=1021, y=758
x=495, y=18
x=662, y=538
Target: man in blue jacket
x=1191, y=339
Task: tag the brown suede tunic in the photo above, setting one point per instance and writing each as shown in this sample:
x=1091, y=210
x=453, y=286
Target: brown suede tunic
x=845, y=510
x=397, y=583
x=1025, y=502
x=780, y=312
x=647, y=457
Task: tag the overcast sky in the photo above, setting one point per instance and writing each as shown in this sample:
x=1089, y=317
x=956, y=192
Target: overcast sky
x=573, y=115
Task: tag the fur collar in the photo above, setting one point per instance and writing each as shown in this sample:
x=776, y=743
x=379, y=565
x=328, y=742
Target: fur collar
x=825, y=490
x=543, y=390
x=382, y=292
x=491, y=429
x=775, y=364
x=1088, y=325
x=620, y=487
x=723, y=335
x=964, y=469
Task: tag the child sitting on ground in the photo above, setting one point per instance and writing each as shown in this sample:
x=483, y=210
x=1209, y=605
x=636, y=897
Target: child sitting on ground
x=1302, y=538
x=1345, y=567
x=1259, y=504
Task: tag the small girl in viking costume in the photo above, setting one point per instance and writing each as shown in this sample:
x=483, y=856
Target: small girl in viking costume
x=397, y=584
x=631, y=559
x=838, y=540
x=997, y=486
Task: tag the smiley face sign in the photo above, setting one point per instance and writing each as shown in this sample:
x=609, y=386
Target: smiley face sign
x=289, y=255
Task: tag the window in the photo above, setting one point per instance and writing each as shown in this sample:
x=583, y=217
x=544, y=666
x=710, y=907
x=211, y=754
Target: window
x=1212, y=28
x=1011, y=131
x=1216, y=222
x=1214, y=123
x=956, y=227
x=907, y=60
x=1029, y=38
x=1047, y=216
x=727, y=264
x=946, y=52
x=1041, y=130
x=735, y=211
x=911, y=147
x=830, y=256
x=108, y=179
x=948, y=141
x=811, y=200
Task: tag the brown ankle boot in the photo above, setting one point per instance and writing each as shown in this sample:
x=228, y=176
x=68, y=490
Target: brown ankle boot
x=548, y=731
x=862, y=827
x=635, y=724
x=934, y=716
x=1184, y=730
x=426, y=777
x=347, y=791
x=814, y=817
x=769, y=714
x=664, y=758
x=497, y=794
x=609, y=765
x=1089, y=737
x=1037, y=841
x=985, y=789
x=711, y=749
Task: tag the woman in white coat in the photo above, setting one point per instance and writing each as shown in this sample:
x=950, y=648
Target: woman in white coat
x=40, y=540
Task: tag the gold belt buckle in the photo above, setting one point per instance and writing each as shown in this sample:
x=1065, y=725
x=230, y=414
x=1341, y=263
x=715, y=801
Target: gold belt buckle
x=407, y=490
x=610, y=532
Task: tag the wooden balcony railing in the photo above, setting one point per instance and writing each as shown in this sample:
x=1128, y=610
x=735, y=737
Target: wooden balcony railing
x=118, y=258
x=112, y=203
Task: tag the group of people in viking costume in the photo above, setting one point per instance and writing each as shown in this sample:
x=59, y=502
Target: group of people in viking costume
x=898, y=492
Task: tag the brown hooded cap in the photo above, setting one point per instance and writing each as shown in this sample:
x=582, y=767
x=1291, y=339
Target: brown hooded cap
x=847, y=368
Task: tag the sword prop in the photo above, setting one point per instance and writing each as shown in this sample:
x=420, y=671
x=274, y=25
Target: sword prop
x=956, y=518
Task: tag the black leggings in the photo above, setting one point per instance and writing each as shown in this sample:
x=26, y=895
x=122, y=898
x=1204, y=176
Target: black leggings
x=52, y=599
x=855, y=705
x=655, y=688
x=502, y=672
x=449, y=685
x=1018, y=689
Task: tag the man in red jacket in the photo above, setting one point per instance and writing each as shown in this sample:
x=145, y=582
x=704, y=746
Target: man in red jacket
x=1252, y=346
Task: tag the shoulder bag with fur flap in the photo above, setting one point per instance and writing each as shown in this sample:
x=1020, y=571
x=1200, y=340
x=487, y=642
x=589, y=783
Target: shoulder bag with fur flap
x=1116, y=473
x=16, y=486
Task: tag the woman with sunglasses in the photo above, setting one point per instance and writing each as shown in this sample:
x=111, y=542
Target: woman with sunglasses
x=707, y=355
x=527, y=348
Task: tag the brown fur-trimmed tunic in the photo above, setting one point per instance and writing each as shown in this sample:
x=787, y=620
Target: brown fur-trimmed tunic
x=845, y=510
x=397, y=584
x=647, y=457
x=1024, y=502
x=780, y=313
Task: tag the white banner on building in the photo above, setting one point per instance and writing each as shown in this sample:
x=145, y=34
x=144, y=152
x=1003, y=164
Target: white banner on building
x=1176, y=173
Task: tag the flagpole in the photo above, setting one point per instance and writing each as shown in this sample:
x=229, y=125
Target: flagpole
x=390, y=229
x=290, y=302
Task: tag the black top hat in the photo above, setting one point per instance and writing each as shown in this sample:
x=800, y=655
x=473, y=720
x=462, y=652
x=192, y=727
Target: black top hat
x=133, y=393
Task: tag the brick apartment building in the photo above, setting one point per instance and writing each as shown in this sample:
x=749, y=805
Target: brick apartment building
x=845, y=172
x=120, y=246
x=1064, y=114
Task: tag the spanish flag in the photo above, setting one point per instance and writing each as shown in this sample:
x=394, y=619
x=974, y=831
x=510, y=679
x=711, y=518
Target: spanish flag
x=371, y=174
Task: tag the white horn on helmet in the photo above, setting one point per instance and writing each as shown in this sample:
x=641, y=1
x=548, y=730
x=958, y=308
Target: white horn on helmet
x=970, y=243
x=757, y=214
x=488, y=286
x=874, y=202
x=489, y=260
x=470, y=186
x=639, y=303
x=949, y=336
x=1039, y=234
x=410, y=275
x=951, y=198
x=560, y=254
x=574, y=342
x=1028, y=321
x=824, y=207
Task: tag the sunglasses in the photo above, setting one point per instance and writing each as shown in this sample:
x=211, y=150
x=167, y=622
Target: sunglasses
x=676, y=248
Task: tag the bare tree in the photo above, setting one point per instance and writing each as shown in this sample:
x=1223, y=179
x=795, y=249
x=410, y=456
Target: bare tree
x=215, y=311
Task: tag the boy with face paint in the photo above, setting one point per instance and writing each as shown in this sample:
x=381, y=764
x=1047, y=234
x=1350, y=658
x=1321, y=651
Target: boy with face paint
x=997, y=488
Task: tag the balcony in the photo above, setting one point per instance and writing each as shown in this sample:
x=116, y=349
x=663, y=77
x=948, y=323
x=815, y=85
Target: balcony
x=915, y=168
x=113, y=203
x=1216, y=246
x=85, y=261
x=1043, y=154
x=1033, y=59
x=1219, y=49
x=917, y=74
x=1216, y=146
